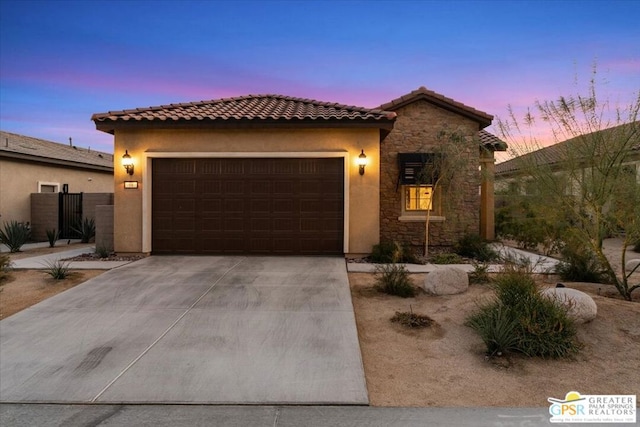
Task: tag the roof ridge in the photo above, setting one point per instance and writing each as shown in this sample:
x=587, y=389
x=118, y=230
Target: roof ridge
x=231, y=99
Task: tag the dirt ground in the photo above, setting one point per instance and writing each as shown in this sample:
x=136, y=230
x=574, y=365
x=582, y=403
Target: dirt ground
x=24, y=288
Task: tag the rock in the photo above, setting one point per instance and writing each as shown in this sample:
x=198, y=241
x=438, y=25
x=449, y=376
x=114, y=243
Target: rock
x=581, y=307
x=446, y=281
x=631, y=264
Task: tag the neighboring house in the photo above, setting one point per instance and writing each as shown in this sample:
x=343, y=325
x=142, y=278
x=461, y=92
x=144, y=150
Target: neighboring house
x=509, y=175
x=271, y=174
x=30, y=165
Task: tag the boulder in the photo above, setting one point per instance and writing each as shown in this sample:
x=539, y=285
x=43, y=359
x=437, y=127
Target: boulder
x=631, y=264
x=446, y=281
x=580, y=306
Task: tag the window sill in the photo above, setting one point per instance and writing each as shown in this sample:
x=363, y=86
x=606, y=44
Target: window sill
x=421, y=218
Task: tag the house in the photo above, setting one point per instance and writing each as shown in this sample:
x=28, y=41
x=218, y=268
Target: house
x=573, y=154
x=31, y=165
x=272, y=174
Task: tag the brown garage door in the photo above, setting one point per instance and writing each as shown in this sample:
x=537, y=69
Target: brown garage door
x=248, y=206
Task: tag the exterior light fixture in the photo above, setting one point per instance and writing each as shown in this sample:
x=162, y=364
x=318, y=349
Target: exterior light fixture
x=127, y=162
x=362, y=162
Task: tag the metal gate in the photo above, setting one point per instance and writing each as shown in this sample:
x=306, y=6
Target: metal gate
x=69, y=215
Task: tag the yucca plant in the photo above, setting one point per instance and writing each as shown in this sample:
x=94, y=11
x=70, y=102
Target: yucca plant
x=14, y=235
x=52, y=236
x=58, y=269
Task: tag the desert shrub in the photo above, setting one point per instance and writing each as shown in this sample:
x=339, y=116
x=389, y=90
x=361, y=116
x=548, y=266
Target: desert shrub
x=58, y=269
x=636, y=246
x=86, y=229
x=520, y=319
x=474, y=246
x=446, y=258
x=52, y=237
x=580, y=265
x=5, y=265
x=411, y=319
x=480, y=273
x=102, y=251
x=14, y=235
x=393, y=279
x=497, y=328
x=392, y=252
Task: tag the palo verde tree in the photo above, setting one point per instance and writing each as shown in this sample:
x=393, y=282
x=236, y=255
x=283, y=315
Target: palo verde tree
x=590, y=177
x=441, y=175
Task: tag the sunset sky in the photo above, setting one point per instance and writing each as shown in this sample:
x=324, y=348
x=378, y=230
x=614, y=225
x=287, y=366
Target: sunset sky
x=61, y=61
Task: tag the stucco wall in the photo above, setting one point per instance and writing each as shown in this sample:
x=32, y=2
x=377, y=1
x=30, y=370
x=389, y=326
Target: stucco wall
x=416, y=130
x=19, y=179
x=132, y=207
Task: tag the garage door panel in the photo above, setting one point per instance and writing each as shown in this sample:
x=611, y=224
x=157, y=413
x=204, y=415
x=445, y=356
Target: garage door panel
x=251, y=206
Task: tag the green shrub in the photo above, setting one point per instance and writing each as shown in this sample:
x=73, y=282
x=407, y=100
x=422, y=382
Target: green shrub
x=102, y=251
x=474, y=246
x=497, y=328
x=520, y=319
x=446, y=258
x=580, y=265
x=14, y=235
x=393, y=279
x=5, y=265
x=480, y=274
x=86, y=229
x=392, y=252
x=52, y=237
x=411, y=319
x=58, y=269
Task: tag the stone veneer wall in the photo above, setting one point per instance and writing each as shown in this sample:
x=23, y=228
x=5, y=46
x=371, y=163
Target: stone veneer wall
x=416, y=130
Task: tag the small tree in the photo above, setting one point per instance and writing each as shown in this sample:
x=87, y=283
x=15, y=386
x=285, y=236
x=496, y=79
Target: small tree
x=442, y=171
x=585, y=178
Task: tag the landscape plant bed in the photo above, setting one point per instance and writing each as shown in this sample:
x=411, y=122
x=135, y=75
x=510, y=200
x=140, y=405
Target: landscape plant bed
x=446, y=365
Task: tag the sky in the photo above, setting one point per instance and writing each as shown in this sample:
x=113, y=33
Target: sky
x=62, y=61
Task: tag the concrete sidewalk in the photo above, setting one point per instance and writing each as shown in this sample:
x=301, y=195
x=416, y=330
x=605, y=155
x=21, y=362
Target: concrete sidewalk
x=267, y=416
x=540, y=263
x=41, y=262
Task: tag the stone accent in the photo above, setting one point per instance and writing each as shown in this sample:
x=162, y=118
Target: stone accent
x=580, y=306
x=417, y=129
x=446, y=281
x=104, y=226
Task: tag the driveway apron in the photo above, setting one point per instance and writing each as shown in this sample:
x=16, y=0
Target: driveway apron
x=174, y=329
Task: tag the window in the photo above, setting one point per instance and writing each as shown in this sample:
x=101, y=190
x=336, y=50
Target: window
x=418, y=198
x=48, y=187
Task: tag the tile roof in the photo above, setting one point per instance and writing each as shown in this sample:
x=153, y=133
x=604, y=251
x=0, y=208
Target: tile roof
x=27, y=148
x=554, y=154
x=492, y=142
x=250, y=108
x=422, y=93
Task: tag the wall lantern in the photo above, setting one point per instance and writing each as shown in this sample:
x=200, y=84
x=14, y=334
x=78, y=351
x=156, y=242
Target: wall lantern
x=362, y=162
x=127, y=162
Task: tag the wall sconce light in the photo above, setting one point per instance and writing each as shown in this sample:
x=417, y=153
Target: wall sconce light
x=362, y=162
x=127, y=162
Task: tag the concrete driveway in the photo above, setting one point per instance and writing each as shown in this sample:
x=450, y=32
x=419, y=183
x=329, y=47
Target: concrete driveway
x=191, y=330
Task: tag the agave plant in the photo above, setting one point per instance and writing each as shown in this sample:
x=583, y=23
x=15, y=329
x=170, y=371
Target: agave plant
x=14, y=235
x=86, y=229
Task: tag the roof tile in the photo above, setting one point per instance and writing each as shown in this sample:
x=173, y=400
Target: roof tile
x=250, y=107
